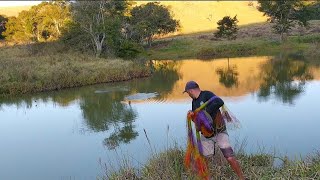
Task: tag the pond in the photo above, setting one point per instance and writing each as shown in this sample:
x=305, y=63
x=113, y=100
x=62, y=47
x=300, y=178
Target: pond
x=70, y=134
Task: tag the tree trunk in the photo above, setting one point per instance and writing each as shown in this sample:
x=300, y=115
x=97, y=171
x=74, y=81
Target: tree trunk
x=149, y=41
x=99, y=43
x=99, y=50
x=57, y=27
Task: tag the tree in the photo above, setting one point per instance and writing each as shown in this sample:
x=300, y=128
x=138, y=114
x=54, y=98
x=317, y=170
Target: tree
x=3, y=21
x=150, y=20
x=41, y=23
x=100, y=20
x=284, y=14
x=53, y=17
x=227, y=28
x=18, y=29
x=314, y=8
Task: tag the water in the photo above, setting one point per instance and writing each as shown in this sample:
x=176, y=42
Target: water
x=66, y=134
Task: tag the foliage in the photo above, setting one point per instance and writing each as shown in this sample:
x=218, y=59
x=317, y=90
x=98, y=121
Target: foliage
x=314, y=9
x=3, y=21
x=75, y=38
x=101, y=21
x=150, y=20
x=43, y=22
x=227, y=28
x=129, y=49
x=18, y=28
x=284, y=14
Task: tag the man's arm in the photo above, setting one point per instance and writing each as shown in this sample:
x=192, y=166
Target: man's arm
x=215, y=104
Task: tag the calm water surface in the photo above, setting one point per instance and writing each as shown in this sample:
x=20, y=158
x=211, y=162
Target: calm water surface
x=68, y=134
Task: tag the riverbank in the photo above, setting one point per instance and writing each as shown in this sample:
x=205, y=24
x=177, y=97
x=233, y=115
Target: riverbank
x=169, y=165
x=256, y=39
x=51, y=66
x=37, y=68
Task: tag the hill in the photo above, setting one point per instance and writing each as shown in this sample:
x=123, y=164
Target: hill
x=202, y=16
x=13, y=11
x=194, y=16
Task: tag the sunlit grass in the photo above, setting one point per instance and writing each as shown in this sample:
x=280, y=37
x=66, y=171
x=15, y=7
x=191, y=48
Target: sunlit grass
x=256, y=39
x=196, y=16
x=27, y=69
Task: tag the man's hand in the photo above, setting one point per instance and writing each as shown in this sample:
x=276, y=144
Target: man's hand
x=190, y=114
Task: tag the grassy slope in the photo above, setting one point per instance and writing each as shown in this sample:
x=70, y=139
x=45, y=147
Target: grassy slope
x=257, y=39
x=13, y=11
x=34, y=68
x=203, y=16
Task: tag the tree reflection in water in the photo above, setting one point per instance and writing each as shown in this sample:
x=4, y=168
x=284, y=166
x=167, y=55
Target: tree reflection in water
x=106, y=112
x=228, y=77
x=284, y=78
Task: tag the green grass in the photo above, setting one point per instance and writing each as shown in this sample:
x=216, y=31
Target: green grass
x=191, y=47
x=43, y=67
x=257, y=39
x=169, y=165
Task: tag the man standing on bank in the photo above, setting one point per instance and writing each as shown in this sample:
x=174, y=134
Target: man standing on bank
x=220, y=134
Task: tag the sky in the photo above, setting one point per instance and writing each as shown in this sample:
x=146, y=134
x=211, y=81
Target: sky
x=18, y=3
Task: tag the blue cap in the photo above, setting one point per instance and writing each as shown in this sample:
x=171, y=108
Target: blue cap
x=191, y=85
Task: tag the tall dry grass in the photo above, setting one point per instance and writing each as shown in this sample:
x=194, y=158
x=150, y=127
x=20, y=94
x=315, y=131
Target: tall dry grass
x=49, y=66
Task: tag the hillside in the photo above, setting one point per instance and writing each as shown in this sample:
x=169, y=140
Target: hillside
x=194, y=16
x=13, y=11
x=202, y=16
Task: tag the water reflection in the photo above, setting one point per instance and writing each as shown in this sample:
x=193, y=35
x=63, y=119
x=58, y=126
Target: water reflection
x=165, y=75
x=103, y=111
x=228, y=76
x=284, y=78
x=101, y=116
x=105, y=108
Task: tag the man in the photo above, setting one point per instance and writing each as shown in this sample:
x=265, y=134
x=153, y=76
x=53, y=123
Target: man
x=220, y=134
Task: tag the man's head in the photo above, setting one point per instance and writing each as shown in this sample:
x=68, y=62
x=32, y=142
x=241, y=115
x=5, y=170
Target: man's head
x=192, y=88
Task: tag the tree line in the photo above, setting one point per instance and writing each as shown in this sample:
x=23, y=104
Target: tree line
x=105, y=27
x=120, y=28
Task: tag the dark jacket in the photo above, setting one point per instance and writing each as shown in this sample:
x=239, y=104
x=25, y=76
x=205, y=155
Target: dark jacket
x=212, y=109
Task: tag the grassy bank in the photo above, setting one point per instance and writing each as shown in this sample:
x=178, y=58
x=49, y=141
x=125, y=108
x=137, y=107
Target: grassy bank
x=52, y=66
x=36, y=68
x=257, y=39
x=169, y=165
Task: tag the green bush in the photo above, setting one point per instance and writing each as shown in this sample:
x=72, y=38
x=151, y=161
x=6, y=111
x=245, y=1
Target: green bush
x=129, y=50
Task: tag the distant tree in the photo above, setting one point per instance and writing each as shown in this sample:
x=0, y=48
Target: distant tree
x=20, y=29
x=101, y=20
x=150, y=20
x=314, y=8
x=284, y=14
x=53, y=17
x=227, y=28
x=41, y=23
x=3, y=21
